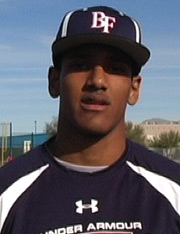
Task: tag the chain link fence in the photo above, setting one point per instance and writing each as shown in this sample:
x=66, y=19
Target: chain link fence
x=14, y=146
x=172, y=153
x=5, y=141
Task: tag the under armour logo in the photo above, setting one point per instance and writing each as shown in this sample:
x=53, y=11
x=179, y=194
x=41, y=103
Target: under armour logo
x=100, y=20
x=81, y=207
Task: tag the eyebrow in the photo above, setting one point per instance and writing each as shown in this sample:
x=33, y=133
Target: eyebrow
x=85, y=54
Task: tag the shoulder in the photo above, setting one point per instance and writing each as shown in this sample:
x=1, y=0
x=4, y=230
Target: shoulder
x=26, y=164
x=141, y=156
x=161, y=173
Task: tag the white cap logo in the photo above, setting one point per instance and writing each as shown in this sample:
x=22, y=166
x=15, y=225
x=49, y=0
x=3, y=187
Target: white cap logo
x=100, y=20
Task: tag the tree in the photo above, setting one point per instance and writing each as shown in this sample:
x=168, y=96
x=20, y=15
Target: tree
x=135, y=133
x=51, y=128
x=167, y=141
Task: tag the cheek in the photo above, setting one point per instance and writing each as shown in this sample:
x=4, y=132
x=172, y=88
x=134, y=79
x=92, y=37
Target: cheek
x=121, y=91
x=120, y=99
x=70, y=90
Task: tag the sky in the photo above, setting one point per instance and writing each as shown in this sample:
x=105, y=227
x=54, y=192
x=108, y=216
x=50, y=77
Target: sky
x=27, y=30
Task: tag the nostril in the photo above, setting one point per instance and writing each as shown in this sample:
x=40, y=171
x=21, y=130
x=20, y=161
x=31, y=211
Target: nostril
x=91, y=87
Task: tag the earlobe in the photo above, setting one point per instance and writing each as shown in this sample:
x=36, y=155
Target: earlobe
x=54, y=82
x=135, y=90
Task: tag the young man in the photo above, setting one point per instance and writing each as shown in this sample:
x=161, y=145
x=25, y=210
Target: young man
x=89, y=178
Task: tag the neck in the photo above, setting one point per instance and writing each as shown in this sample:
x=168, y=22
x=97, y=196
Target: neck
x=90, y=150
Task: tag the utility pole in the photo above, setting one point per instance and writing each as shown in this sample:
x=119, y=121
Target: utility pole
x=10, y=139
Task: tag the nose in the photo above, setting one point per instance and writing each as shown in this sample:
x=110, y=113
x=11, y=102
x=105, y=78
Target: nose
x=97, y=78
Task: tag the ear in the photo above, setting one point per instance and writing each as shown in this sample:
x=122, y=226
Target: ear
x=54, y=82
x=135, y=90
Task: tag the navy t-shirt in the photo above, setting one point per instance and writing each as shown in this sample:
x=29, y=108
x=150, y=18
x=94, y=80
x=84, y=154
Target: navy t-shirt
x=139, y=194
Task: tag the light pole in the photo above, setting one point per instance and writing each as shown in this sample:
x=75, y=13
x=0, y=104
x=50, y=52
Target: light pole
x=35, y=127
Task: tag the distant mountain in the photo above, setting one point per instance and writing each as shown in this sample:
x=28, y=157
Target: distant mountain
x=159, y=121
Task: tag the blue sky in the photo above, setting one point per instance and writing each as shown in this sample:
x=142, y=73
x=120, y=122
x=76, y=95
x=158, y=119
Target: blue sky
x=28, y=28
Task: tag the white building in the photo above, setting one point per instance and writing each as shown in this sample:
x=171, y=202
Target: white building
x=154, y=127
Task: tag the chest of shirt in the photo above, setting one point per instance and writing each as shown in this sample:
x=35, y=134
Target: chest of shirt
x=123, y=203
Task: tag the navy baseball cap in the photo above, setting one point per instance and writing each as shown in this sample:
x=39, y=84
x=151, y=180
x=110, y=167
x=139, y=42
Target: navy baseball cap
x=101, y=25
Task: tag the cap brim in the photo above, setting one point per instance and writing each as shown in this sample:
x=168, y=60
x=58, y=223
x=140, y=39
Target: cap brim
x=139, y=53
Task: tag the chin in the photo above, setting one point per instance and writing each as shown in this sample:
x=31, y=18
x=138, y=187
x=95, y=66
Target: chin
x=94, y=131
x=92, y=128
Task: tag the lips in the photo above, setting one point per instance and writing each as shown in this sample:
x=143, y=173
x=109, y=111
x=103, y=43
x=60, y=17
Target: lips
x=96, y=102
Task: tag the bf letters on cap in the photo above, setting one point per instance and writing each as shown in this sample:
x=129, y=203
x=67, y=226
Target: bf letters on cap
x=100, y=20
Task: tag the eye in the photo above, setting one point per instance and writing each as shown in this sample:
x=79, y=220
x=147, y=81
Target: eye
x=119, y=69
x=77, y=65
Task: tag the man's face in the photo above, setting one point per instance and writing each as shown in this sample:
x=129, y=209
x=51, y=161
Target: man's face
x=95, y=87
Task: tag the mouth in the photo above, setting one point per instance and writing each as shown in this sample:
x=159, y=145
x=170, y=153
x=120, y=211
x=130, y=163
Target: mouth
x=95, y=102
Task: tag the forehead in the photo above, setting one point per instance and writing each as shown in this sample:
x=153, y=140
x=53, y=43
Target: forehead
x=95, y=51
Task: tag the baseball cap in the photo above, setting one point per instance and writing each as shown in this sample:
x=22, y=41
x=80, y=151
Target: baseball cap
x=101, y=25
